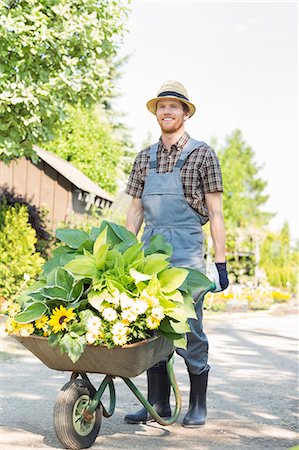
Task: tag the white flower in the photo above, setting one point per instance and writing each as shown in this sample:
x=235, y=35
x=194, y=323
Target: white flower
x=3, y=331
x=140, y=306
x=126, y=301
x=119, y=328
x=129, y=315
x=158, y=313
x=119, y=339
x=90, y=338
x=152, y=322
x=94, y=324
x=109, y=314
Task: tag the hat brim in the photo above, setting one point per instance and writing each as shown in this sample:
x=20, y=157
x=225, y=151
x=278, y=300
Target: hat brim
x=152, y=104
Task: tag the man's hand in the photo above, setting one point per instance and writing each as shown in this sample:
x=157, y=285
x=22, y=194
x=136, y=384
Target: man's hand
x=217, y=272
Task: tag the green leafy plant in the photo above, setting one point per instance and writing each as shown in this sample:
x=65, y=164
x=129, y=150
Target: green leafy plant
x=104, y=288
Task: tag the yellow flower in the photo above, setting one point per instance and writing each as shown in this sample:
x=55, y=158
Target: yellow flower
x=109, y=314
x=11, y=325
x=26, y=329
x=152, y=322
x=40, y=323
x=14, y=309
x=60, y=318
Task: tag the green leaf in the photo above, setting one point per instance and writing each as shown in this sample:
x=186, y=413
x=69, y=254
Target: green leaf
x=72, y=237
x=132, y=253
x=54, y=339
x=74, y=347
x=178, y=340
x=85, y=316
x=153, y=286
x=32, y=312
x=37, y=295
x=158, y=244
x=100, y=256
x=171, y=279
x=101, y=239
x=196, y=281
x=83, y=265
x=155, y=263
x=55, y=292
x=77, y=290
x=64, y=278
x=182, y=312
x=171, y=326
x=176, y=296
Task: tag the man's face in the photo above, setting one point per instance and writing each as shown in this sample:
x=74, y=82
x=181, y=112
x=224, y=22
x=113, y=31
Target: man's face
x=170, y=115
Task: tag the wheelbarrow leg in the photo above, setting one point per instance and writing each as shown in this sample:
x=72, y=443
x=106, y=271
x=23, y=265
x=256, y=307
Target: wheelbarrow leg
x=150, y=409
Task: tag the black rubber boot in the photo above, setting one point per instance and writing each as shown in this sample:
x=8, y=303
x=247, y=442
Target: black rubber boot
x=158, y=388
x=196, y=416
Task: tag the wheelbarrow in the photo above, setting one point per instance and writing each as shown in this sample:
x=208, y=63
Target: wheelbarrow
x=78, y=409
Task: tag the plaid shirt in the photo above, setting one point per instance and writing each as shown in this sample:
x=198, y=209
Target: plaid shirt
x=200, y=174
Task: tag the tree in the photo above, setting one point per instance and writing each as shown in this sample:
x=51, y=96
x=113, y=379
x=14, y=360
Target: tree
x=279, y=260
x=243, y=195
x=88, y=140
x=53, y=54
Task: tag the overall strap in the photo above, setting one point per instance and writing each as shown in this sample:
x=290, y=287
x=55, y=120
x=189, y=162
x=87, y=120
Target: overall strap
x=153, y=155
x=191, y=145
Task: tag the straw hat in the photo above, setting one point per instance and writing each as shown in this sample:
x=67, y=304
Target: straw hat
x=171, y=89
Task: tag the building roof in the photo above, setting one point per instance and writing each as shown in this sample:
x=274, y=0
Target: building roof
x=71, y=173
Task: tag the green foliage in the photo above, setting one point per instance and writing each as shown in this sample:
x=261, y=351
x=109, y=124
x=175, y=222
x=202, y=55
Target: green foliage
x=89, y=141
x=107, y=272
x=243, y=195
x=36, y=218
x=279, y=260
x=53, y=54
x=18, y=257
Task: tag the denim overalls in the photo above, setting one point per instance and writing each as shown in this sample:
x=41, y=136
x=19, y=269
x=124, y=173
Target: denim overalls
x=167, y=212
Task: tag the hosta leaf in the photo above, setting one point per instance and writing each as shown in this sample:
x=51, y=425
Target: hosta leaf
x=153, y=286
x=176, y=296
x=171, y=279
x=155, y=263
x=101, y=239
x=100, y=256
x=37, y=295
x=158, y=244
x=132, y=253
x=138, y=276
x=64, y=278
x=83, y=265
x=178, y=340
x=32, y=312
x=171, y=326
x=77, y=291
x=96, y=299
x=55, y=292
x=72, y=237
x=196, y=281
x=182, y=313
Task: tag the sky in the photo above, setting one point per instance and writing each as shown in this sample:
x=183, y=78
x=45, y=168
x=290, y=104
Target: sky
x=238, y=61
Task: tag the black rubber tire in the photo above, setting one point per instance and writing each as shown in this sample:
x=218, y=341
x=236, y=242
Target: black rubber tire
x=74, y=393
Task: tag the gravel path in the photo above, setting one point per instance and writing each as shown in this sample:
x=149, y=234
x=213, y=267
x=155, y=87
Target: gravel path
x=252, y=396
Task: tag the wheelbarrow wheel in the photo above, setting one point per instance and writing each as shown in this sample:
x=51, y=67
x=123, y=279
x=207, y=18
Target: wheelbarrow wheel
x=74, y=429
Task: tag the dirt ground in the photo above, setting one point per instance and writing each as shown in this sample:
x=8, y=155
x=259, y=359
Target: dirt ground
x=252, y=395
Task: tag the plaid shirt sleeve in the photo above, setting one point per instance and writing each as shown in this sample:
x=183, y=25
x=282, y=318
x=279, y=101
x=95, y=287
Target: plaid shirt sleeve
x=136, y=180
x=211, y=173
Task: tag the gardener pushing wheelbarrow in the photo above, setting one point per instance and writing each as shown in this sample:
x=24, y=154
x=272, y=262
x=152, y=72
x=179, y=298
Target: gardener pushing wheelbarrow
x=176, y=185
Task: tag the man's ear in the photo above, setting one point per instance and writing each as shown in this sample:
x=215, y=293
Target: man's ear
x=186, y=117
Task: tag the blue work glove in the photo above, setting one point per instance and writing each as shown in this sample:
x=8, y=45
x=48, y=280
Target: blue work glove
x=218, y=274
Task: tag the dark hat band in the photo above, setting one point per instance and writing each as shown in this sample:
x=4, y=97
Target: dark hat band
x=173, y=94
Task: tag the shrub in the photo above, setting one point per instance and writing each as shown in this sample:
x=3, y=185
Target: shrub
x=19, y=261
x=36, y=218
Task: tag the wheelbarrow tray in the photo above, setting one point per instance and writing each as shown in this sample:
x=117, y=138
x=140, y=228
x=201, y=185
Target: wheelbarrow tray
x=127, y=361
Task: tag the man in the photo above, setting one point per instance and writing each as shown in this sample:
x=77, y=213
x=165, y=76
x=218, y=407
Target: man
x=176, y=187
